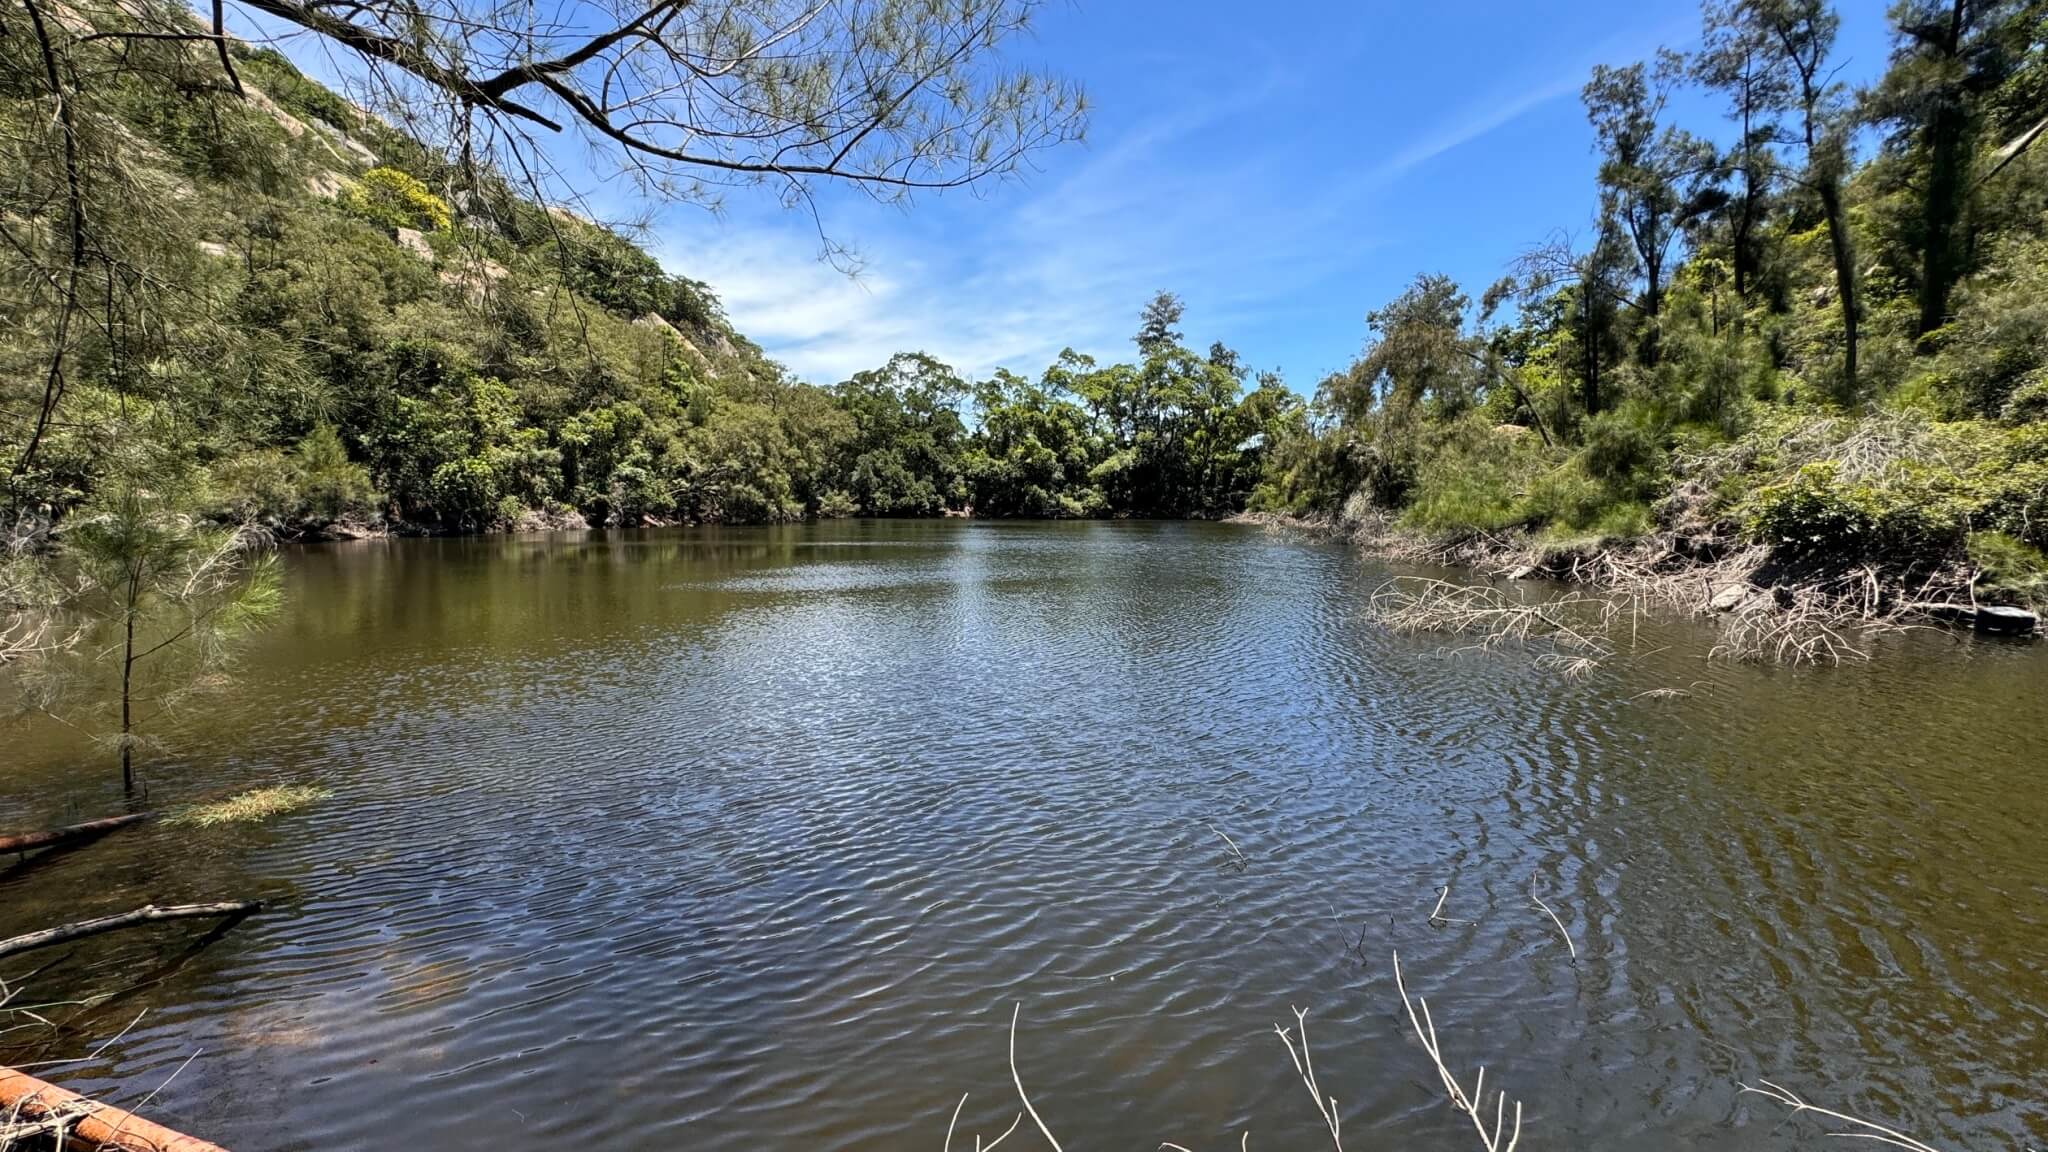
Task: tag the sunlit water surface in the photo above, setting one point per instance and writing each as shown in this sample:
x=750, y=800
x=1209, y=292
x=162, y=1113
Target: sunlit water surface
x=752, y=839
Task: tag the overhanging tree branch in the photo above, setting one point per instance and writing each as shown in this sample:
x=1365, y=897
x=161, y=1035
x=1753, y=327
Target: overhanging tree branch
x=894, y=95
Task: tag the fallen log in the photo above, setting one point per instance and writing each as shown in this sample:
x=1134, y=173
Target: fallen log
x=31, y=1103
x=28, y=841
x=147, y=914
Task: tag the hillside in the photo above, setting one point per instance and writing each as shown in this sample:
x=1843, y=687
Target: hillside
x=1804, y=349
x=347, y=331
x=341, y=327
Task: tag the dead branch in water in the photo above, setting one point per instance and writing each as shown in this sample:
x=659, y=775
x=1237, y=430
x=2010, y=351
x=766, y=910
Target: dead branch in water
x=1553, y=917
x=1426, y=605
x=1802, y=625
x=39, y=1114
x=1871, y=1131
x=1821, y=621
x=147, y=914
x=1437, y=919
x=91, y=829
x=1661, y=694
x=978, y=1145
x=1242, y=864
x=1425, y=1031
x=1015, y=1012
x=1305, y=1065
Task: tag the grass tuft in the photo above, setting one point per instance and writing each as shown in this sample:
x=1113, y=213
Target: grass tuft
x=249, y=807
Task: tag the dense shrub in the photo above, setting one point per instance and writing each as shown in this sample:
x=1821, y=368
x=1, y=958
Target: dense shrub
x=396, y=199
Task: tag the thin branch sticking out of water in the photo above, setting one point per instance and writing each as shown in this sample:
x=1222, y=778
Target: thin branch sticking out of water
x=1437, y=919
x=1806, y=628
x=1553, y=917
x=1425, y=1031
x=1661, y=694
x=978, y=1145
x=1016, y=1079
x=1871, y=1131
x=1242, y=864
x=1305, y=1065
x=1015, y=1012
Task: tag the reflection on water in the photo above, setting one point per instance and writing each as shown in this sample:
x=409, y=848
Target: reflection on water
x=750, y=839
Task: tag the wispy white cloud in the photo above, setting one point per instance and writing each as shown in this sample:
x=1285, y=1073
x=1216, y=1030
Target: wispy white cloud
x=1475, y=123
x=1068, y=264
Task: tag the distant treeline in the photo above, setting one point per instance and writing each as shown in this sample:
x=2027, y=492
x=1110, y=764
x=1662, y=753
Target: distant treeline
x=1758, y=335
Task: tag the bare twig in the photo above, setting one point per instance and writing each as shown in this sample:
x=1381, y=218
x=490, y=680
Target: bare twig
x=1242, y=863
x=1553, y=917
x=978, y=1145
x=146, y=914
x=1015, y=1012
x=1425, y=1031
x=1304, y=1064
x=1437, y=919
x=1871, y=1131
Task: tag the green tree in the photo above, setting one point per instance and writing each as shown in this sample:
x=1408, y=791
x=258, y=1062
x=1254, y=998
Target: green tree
x=903, y=458
x=1033, y=451
x=1735, y=60
x=164, y=597
x=329, y=483
x=1801, y=36
x=1650, y=174
x=1947, y=57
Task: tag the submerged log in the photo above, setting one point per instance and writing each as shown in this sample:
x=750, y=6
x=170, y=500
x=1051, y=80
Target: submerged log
x=2003, y=621
x=27, y=1101
x=147, y=914
x=1993, y=619
x=28, y=841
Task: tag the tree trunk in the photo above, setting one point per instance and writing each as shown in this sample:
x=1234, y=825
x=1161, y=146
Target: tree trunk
x=88, y=1123
x=1942, y=204
x=127, y=686
x=1592, y=368
x=1830, y=191
x=91, y=829
x=147, y=914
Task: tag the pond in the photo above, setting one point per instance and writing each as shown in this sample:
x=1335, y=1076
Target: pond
x=755, y=838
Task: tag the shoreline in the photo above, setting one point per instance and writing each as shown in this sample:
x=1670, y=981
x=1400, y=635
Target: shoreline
x=1770, y=612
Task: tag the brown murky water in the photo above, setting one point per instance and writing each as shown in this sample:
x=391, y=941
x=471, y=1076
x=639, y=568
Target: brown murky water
x=751, y=839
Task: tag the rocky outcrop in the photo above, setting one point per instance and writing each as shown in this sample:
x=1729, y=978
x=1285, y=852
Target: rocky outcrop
x=326, y=185
x=415, y=241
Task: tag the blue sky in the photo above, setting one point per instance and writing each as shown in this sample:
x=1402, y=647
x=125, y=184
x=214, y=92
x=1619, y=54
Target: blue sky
x=1284, y=171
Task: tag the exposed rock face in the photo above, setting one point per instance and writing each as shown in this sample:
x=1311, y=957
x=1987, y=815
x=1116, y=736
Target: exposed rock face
x=415, y=241
x=292, y=125
x=326, y=185
x=475, y=276
x=214, y=249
